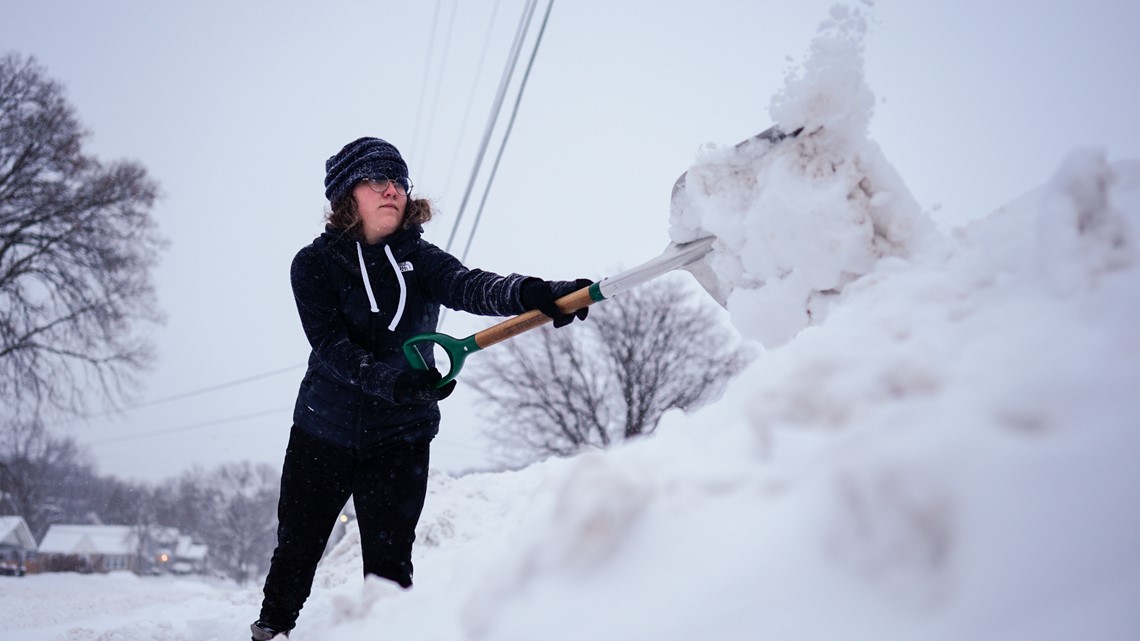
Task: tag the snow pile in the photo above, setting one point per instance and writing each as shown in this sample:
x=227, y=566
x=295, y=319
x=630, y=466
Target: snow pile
x=949, y=456
x=798, y=221
x=966, y=422
x=942, y=447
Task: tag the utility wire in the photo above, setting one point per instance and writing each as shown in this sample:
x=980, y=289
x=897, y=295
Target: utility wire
x=181, y=395
x=457, y=445
x=424, y=84
x=186, y=428
x=512, y=60
x=516, y=49
x=507, y=134
x=474, y=86
x=421, y=159
x=206, y=390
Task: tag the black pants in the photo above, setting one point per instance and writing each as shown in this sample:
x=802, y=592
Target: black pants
x=388, y=491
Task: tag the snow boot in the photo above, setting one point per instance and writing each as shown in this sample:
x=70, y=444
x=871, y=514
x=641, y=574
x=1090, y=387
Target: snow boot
x=264, y=632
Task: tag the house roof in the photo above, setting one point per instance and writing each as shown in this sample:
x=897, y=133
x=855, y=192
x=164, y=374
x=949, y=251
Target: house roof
x=189, y=550
x=89, y=539
x=14, y=531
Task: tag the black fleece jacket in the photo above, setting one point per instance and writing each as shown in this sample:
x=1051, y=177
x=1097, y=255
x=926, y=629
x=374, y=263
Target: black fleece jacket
x=346, y=394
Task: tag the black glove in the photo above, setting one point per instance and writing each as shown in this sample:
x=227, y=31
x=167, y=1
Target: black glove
x=540, y=294
x=417, y=387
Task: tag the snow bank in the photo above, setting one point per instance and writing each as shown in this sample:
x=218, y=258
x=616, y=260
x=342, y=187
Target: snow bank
x=949, y=456
x=966, y=421
x=940, y=448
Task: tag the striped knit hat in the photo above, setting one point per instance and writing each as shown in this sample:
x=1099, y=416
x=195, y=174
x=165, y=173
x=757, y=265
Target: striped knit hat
x=362, y=158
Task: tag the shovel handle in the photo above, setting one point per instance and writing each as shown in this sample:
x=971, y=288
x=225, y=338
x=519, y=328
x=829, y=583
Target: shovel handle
x=458, y=350
x=527, y=321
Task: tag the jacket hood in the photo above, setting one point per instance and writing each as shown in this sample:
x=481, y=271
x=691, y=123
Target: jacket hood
x=342, y=244
x=354, y=256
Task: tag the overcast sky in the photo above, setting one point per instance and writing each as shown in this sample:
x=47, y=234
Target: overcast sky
x=233, y=107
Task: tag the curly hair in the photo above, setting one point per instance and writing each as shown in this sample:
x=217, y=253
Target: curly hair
x=344, y=215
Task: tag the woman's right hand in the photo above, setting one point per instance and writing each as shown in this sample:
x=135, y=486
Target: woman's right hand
x=417, y=387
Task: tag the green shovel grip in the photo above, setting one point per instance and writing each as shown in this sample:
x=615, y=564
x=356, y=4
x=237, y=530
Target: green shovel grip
x=456, y=349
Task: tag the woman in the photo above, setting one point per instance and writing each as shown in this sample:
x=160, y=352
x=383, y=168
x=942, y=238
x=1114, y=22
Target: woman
x=364, y=418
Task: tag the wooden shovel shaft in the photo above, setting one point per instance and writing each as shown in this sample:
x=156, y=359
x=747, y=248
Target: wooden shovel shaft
x=527, y=321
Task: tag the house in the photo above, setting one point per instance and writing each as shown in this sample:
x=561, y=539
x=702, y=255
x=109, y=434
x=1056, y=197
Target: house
x=107, y=548
x=16, y=544
x=160, y=544
x=189, y=557
x=89, y=548
x=99, y=549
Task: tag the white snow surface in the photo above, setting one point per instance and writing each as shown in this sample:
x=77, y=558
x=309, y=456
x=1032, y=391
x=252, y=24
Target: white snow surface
x=939, y=443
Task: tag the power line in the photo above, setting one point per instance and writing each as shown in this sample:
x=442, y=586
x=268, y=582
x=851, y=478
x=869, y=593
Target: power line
x=211, y=388
x=504, y=83
x=507, y=133
x=181, y=395
x=474, y=86
x=421, y=159
x=424, y=84
x=445, y=442
x=186, y=428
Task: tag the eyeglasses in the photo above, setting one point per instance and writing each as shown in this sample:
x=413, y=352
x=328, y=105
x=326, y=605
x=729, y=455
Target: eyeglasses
x=379, y=184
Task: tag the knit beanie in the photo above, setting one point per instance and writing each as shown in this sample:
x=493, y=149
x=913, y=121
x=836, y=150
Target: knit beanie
x=362, y=158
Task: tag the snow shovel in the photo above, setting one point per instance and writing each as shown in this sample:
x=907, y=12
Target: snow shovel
x=675, y=256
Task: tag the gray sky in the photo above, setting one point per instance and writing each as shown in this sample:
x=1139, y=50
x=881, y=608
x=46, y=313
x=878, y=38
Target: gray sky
x=234, y=106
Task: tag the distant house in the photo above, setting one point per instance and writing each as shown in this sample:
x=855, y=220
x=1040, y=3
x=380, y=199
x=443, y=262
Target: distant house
x=107, y=548
x=16, y=544
x=90, y=548
x=189, y=557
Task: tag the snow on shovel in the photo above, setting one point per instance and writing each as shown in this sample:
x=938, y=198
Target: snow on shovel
x=676, y=256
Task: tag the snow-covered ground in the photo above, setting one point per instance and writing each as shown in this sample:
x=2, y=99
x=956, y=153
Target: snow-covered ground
x=939, y=443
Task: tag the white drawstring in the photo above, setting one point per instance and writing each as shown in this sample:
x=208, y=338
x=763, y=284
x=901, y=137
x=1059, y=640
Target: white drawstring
x=403, y=288
x=364, y=274
x=368, y=285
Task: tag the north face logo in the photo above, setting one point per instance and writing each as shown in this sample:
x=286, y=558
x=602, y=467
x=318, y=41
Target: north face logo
x=406, y=266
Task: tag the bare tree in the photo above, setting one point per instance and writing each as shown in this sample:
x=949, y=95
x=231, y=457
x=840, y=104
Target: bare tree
x=77, y=244
x=241, y=513
x=556, y=392
x=184, y=502
x=36, y=472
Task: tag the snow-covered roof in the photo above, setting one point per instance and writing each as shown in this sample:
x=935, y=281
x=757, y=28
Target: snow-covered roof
x=164, y=534
x=89, y=539
x=14, y=531
x=189, y=550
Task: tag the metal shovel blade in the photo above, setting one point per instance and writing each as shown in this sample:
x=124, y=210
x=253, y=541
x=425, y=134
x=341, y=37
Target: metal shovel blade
x=700, y=269
x=675, y=256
